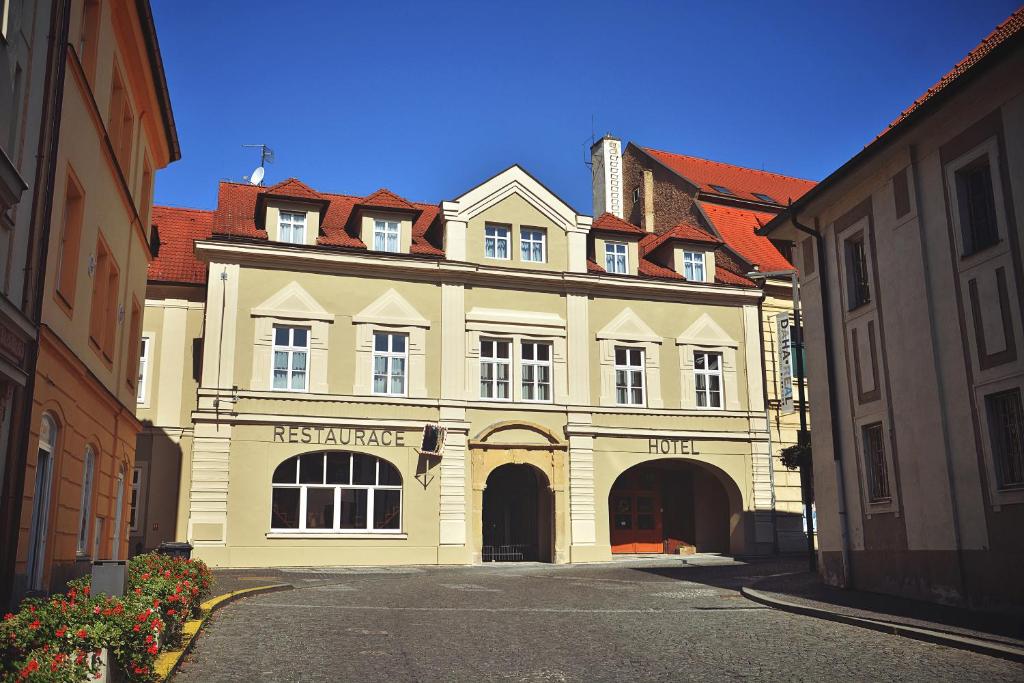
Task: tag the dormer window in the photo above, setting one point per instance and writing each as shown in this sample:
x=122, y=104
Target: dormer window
x=532, y=241
x=496, y=242
x=291, y=227
x=616, y=257
x=385, y=236
x=693, y=266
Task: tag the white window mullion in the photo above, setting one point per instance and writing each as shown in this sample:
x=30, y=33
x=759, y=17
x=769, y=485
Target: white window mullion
x=336, y=525
x=369, y=507
x=302, y=508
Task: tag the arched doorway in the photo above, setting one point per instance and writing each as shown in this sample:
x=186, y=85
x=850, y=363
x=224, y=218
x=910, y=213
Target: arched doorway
x=518, y=511
x=670, y=506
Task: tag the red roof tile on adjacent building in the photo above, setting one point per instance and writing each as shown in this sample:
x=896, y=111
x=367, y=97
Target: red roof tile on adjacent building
x=683, y=231
x=737, y=226
x=612, y=223
x=742, y=182
x=1010, y=27
x=592, y=267
x=178, y=230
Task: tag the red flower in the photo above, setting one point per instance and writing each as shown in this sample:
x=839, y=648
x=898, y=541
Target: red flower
x=149, y=638
x=152, y=649
x=8, y=616
x=172, y=611
x=82, y=633
x=96, y=609
x=136, y=628
x=34, y=625
x=61, y=631
x=156, y=603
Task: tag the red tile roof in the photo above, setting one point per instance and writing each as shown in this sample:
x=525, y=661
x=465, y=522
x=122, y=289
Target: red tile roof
x=652, y=269
x=386, y=199
x=293, y=187
x=683, y=231
x=178, y=230
x=737, y=226
x=611, y=223
x=1010, y=27
x=743, y=182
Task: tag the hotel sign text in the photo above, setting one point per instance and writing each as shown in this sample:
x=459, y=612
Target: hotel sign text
x=339, y=436
x=672, y=447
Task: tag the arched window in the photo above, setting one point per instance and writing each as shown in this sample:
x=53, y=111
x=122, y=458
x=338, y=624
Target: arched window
x=336, y=492
x=86, y=507
x=48, y=433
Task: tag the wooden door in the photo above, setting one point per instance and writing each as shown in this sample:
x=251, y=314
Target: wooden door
x=636, y=516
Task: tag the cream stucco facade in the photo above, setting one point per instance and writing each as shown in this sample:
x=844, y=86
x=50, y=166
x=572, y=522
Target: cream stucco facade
x=232, y=434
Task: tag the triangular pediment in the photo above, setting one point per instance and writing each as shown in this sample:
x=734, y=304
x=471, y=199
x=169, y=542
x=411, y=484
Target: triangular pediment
x=391, y=308
x=292, y=301
x=628, y=326
x=512, y=181
x=706, y=332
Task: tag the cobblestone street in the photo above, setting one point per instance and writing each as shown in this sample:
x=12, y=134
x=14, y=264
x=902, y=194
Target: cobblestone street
x=644, y=620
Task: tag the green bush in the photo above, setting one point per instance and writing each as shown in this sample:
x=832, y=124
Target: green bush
x=59, y=638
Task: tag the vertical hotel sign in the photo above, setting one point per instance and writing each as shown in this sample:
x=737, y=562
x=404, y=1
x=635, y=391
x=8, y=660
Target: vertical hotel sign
x=785, y=361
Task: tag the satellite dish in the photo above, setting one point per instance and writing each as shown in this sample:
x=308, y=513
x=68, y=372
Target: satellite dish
x=257, y=176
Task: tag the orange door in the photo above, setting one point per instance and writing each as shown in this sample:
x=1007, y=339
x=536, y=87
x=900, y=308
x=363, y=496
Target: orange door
x=636, y=525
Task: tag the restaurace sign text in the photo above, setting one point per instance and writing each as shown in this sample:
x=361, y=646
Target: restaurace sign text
x=339, y=436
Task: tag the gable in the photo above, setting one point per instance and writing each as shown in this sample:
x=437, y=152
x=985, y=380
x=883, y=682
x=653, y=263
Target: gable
x=292, y=301
x=391, y=308
x=706, y=332
x=512, y=181
x=628, y=326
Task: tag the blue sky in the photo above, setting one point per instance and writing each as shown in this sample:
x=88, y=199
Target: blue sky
x=430, y=98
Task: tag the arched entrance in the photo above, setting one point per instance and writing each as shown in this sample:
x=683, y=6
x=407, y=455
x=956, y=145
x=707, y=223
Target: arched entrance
x=670, y=506
x=517, y=515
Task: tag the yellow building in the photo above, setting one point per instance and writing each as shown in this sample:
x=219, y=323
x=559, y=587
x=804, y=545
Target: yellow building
x=116, y=130
x=589, y=398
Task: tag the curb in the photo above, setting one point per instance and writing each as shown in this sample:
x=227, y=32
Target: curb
x=986, y=647
x=167, y=663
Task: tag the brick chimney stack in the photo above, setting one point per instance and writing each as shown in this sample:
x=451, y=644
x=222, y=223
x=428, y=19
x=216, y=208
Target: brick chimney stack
x=606, y=170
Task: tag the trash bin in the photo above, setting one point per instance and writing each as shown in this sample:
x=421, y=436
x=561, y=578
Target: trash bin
x=109, y=577
x=176, y=549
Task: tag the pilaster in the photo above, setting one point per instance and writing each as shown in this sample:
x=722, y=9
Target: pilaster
x=581, y=483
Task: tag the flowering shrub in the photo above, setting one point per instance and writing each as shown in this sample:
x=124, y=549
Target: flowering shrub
x=60, y=638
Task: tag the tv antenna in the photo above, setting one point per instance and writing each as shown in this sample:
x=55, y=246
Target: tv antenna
x=266, y=156
x=587, y=144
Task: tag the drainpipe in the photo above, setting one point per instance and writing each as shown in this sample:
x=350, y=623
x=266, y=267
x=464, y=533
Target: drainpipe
x=943, y=412
x=833, y=406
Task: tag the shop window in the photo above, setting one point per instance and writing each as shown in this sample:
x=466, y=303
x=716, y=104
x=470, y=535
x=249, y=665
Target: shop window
x=707, y=375
x=693, y=266
x=386, y=236
x=291, y=227
x=1006, y=431
x=336, y=492
x=495, y=369
x=291, y=358
x=532, y=243
x=85, y=510
x=616, y=257
x=390, y=360
x=874, y=463
x=629, y=376
x=536, y=371
x=496, y=241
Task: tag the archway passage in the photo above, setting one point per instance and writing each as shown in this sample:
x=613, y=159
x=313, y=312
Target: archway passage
x=669, y=506
x=517, y=515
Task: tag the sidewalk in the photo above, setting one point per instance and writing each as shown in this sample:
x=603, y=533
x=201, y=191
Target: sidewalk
x=804, y=593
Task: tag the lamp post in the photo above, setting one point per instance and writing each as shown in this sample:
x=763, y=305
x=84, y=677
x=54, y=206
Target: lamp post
x=803, y=436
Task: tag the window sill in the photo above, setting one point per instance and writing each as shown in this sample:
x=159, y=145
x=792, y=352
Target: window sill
x=374, y=535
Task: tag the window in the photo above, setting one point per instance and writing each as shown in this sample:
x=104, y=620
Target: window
x=721, y=189
x=532, y=244
x=121, y=124
x=616, y=259
x=103, y=313
x=707, y=371
x=88, y=39
x=146, y=191
x=390, y=353
x=134, y=500
x=336, y=492
x=144, y=345
x=495, y=369
x=1006, y=431
x=85, y=510
x=636, y=194
x=857, y=272
x=385, y=236
x=764, y=197
x=40, y=522
x=67, y=257
x=693, y=266
x=977, y=205
x=291, y=354
x=629, y=376
x=496, y=242
x=784, y=247
x=134, y=359
x=874, y=463
x=291, y=227
x=536, y=369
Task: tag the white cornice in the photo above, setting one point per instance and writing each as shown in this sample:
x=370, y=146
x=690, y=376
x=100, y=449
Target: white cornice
x=389, y=266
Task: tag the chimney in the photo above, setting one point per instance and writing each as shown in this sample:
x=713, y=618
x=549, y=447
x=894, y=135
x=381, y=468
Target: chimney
x=648, y=200
x=606, y=169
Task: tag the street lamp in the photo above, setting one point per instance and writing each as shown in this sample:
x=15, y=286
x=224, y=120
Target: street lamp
x=806, y=475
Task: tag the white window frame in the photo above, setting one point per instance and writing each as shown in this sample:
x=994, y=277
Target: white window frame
x=707, y=374
x=528, y=239
x=290, y=349
x=335, y=527
x=85, y=509
x=535, y=384
x=692, y=261
x=629, y=370
x=146, y=341
x=135, y=506
x=390, y=357
x=291, y=227
x=496, y=361
x=495, y=234
x=613, y=252
x=387, y=235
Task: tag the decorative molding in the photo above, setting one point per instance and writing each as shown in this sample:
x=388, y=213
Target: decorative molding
x=292, y=304
x=292, y=301
x=390, y=310
x=628, y=327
